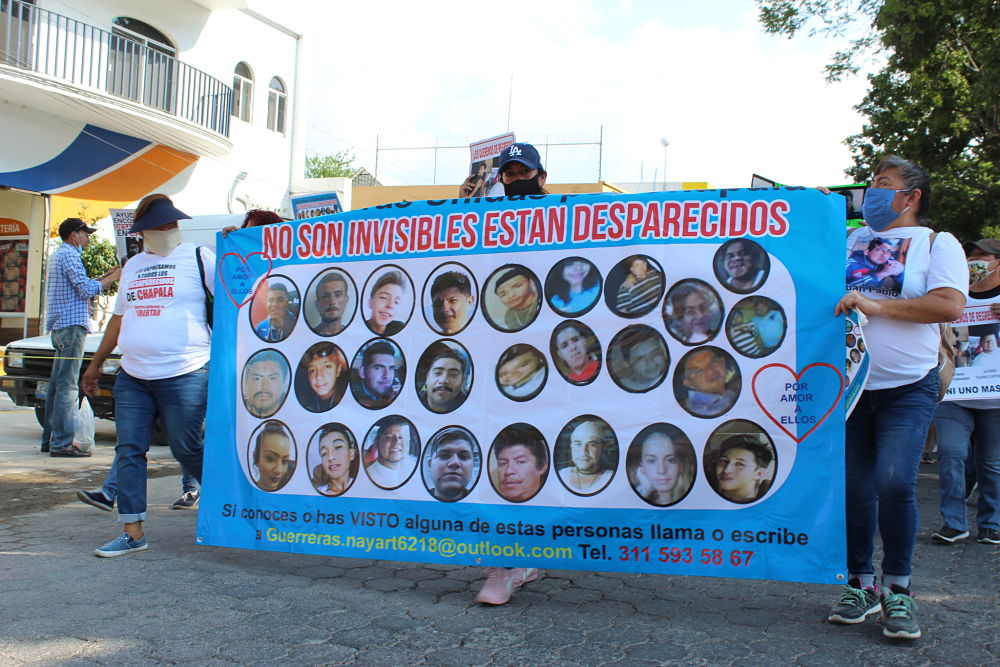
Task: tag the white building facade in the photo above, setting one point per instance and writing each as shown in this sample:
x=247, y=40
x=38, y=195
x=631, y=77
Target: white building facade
x=105, y=101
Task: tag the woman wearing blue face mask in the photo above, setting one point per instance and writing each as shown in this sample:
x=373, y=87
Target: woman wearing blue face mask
x=886, y=431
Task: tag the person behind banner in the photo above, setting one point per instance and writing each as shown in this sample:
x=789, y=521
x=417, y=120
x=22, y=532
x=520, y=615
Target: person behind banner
x=592, y=456
x=281, y=316
x=394, y=458
x=385, y=302
x=521, y=173
x=452, y=461
x=320, y=381
x=452, y=302
x=742, y=470
x=265, y=383
x=969, y=430
x=741, y=265
x=446, y=382
x=573, y=286
x=661, y=465
x=338, y=466
x=576, y=352
x=521, y=372
x=378, y=380
x=273, y=456
x=875, y=267
x=332, y=298
x=692, y=312
x=886, y=431
x=709, y=382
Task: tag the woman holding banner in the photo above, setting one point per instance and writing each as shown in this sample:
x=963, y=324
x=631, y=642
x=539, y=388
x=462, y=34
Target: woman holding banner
x=887, y=429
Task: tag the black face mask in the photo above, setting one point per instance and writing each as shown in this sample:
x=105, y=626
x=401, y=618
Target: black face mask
x=529, y=186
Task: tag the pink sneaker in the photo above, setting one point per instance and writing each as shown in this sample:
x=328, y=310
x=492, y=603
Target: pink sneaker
x=501, y=582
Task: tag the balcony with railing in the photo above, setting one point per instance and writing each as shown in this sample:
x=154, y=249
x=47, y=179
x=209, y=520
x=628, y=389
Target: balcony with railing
x=180, y=105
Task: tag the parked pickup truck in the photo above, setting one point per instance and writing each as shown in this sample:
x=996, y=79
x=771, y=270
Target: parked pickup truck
x=28, y=365
x=28, y=362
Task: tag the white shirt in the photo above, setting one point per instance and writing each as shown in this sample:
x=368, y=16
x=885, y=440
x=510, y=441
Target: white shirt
x=904, y=352
x=390, y=478
x=162, y=304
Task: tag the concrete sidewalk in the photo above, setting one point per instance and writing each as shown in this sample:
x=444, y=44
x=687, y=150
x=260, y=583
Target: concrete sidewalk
x=179, y=603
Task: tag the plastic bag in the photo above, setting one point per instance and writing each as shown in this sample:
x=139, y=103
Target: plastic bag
x=84, y=426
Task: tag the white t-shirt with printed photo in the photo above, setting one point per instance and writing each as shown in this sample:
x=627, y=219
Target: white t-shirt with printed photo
x=904, y=352
x=161, y=300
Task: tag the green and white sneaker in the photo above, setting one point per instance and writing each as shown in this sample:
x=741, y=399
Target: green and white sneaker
x=856, y=604
x=899, y=620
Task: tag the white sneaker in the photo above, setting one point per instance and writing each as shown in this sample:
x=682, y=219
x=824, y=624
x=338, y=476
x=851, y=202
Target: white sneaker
x=501, y=582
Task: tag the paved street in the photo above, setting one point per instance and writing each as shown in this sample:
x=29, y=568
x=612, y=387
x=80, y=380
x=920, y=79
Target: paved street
x=179, y=603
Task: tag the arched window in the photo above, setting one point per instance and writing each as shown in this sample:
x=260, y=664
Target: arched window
x=141, y=63
x=276, y=96
x=242, y=92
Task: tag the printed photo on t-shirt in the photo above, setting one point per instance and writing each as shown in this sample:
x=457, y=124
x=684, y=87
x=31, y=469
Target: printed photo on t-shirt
x=877, y=265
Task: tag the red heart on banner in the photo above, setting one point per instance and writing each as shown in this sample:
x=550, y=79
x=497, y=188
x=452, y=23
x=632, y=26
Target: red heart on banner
x=244, y=281
x=798, y=377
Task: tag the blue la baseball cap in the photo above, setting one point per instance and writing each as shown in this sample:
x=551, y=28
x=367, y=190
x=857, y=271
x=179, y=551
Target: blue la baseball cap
x=160, y=212
x=526, y=154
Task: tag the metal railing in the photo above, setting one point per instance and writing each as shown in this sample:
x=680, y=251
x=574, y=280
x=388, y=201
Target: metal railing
x=48, y=43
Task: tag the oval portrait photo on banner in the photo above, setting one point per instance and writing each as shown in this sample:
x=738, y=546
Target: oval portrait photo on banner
x=271, y=455
x=274, y=309
x=333, y=459
x=586, y=455
x=388, y=300
x=511, y=298
x=573, y=286
x=450, y=299
x=661, y=464
x=518, y=462
x=452, y=463
x=331, y=302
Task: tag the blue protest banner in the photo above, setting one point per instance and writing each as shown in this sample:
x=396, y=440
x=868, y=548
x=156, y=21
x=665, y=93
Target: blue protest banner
x=643, y=383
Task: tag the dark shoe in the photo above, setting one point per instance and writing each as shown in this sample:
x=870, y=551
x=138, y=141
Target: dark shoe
x=95, y=498
x=187, y=501
x=899, y=619
x=988, y=536
x=948, y=535
x=855, y=604
x=928, y=458
x=72, y=451
x=44, y=449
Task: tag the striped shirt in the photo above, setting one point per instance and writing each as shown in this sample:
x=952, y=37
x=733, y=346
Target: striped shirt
x=69, y=290
x=641, y=297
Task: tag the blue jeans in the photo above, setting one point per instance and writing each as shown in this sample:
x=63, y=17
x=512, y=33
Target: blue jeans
x=962, y=431
x=110, y=486
x=63, y=392
x=180, y=404
x=884, y=438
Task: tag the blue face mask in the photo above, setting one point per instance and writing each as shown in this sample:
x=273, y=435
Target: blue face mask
x=877, y=208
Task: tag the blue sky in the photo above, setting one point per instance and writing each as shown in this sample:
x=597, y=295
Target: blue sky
x=731, y=100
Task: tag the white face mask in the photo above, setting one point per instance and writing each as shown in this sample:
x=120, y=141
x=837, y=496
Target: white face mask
x=161, y=241
x=980, y=270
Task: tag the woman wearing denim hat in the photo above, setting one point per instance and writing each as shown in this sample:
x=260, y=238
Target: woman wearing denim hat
x=160, y=324
x=886, y=431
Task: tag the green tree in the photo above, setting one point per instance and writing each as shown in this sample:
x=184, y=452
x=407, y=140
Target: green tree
x=331, y=165
x=935, y=101
x=99, y=257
